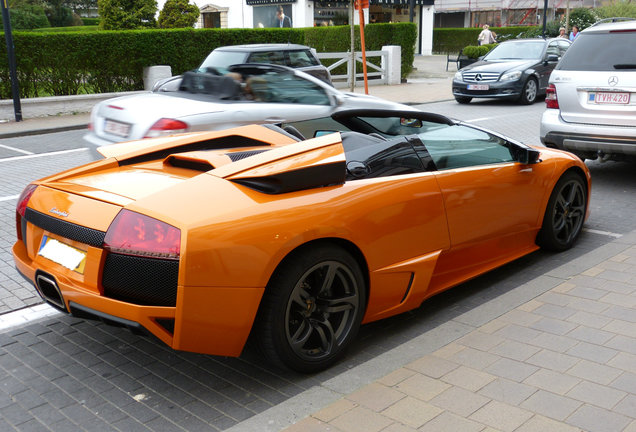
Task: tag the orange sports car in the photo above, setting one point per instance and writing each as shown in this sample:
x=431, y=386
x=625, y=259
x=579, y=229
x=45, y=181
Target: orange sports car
x=204, y=239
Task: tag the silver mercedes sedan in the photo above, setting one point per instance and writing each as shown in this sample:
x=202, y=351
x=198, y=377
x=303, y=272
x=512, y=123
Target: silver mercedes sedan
x=204, y=100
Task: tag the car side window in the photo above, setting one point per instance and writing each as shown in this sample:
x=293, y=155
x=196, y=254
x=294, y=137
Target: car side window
x=271, y=57
x=563, y=47
x=299, y=59
x=371, y=157
x=553, y=49
x=287, y=88
x=460, y=146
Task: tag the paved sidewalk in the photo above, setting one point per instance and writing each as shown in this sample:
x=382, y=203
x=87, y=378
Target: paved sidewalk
x=563, y=360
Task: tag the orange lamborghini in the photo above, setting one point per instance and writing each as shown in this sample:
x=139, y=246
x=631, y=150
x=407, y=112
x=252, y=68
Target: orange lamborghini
x=204, y=239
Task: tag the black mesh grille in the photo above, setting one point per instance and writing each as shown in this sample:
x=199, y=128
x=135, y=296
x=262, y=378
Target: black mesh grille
x=141, y=281
x=237, y=156
x=65, y=229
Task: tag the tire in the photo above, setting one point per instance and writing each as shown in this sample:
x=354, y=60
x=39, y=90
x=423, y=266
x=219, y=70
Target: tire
x=312, y=309
x=529, y=92
x=463, y=99
x=565, y=214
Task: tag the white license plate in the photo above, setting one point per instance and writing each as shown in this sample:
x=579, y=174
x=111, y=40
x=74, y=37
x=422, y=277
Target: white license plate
x=63, y=254
x=478, y=87
x=611, y=98
x=117, y=128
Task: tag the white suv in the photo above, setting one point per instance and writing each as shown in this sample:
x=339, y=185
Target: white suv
x=591, y=97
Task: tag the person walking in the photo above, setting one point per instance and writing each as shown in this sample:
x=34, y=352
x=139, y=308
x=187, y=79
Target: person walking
x=283, y=21
x=562, y=33
x=485, y=37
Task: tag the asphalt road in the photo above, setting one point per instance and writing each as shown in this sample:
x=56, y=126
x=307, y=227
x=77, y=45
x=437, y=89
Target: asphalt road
x=185, y=391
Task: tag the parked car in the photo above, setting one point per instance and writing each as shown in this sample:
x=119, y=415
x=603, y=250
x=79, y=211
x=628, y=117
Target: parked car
x=515, y=69
x=207, y=101
x=299, y=57
x=591, y=101
x=204, y=239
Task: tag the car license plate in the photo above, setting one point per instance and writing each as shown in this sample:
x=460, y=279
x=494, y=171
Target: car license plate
x=478, y=87
x=63, y=254
x=611, y=98
x=117, y=128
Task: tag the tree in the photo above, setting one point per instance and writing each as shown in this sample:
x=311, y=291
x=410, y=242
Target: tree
x=617, y=8
x=127, y=14
x=58, y=14
x=582, y=18
x=178, y=13
x=27, y=15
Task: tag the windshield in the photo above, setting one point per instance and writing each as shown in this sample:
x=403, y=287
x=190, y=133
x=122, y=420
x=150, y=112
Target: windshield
x=221, y=60
x=516, y=51
x=601, y=52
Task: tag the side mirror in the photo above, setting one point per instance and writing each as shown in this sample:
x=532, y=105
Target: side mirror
x=526, y=156
x=338, y=100
x=552, y=58
x=529, y=157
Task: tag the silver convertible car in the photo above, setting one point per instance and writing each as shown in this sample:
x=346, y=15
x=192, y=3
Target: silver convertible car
x=248, y=94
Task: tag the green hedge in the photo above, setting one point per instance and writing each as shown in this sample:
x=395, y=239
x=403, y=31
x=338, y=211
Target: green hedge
x=476, y=51
x=110, y=61
x=90, y=21
x=454, y=39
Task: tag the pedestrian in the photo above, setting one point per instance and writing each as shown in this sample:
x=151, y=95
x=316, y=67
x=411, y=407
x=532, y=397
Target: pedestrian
x=283, y=21
x=574, y=33
x=485, y=37
x=562, y=33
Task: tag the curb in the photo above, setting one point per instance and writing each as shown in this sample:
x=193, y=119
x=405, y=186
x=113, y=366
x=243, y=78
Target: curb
x=30, y=132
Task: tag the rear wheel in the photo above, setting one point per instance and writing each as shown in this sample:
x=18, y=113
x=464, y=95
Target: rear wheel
x=312, y=309
x=463, y=99
x=529, y=92
x=565, y=214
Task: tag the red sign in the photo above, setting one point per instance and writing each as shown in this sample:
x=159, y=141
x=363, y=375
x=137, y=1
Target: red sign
x=365, y=4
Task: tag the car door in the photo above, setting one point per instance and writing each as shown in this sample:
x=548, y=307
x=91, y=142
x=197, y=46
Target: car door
x=274, y=97
x=492, y=202
x=546, y=67
x=284, y=97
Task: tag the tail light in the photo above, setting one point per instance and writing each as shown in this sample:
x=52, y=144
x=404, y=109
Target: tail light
x=20, y=209
x=132, y=233
x=551, y=100
x=166, y=126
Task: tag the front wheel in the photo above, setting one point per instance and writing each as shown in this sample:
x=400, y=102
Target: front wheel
x=312, y=309
x=565, y=214
x=529, y=92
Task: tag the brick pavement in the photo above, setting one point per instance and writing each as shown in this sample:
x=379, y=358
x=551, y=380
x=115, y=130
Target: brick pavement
x=564, y=360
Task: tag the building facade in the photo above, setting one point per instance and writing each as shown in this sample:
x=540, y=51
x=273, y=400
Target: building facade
x=308, y=13
x=502, y=13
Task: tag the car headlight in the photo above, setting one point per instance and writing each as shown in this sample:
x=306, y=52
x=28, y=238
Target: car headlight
x=458, y=76
x=511, y=76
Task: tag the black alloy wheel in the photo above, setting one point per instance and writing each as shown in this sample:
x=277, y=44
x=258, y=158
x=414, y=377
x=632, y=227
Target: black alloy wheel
x=565, y=214
x=312, y=309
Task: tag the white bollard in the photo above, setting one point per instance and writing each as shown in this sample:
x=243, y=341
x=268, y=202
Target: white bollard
x=394, y=67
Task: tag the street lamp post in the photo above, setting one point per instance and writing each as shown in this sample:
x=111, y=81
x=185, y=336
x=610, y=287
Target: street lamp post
x=15, y=90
